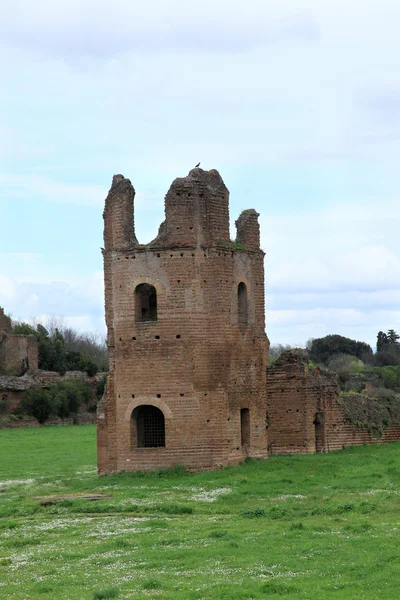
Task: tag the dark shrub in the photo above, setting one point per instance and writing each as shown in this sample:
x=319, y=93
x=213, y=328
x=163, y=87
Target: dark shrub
x=38, y=403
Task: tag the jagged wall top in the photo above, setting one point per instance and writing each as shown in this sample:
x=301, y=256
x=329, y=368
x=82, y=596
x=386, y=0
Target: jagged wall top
x=119, y=224
x=196, y=211
x=196, y=214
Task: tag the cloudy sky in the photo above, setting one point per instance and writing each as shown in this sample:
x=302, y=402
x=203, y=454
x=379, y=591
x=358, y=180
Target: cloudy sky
x=296, y=103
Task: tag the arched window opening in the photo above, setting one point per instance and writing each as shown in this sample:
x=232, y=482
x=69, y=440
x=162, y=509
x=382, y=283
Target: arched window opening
x=146, y=302
x=148, y=427
x=319, y=424
x=245, y=427
x=242, y=304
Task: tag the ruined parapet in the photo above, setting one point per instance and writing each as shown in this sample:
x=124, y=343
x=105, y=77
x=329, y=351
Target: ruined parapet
x=248, y=229
x=196, y=211
x=119, y=225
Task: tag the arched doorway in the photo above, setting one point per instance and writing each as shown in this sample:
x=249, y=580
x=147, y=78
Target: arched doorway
x=148, y=427
x=319, y=424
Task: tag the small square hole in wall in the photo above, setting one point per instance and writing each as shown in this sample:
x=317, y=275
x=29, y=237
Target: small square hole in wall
x=157, y=337
x=178, y=337
x=133, y=395
x=158, y=395
x=134, y=339
x=181, y=395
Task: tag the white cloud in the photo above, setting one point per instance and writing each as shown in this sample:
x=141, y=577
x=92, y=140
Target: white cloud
x=81, y=304
x=44, y=188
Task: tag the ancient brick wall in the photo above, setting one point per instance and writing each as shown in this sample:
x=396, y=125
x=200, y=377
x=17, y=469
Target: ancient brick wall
x=18, y=353
x=5, y=322
x=201, y=359
x=304, y=411
x=22, y=354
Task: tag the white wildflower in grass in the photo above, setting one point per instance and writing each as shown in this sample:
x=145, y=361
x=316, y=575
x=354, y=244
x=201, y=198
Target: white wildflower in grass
x=210, y=495
x=15, y=482
x=289, y=496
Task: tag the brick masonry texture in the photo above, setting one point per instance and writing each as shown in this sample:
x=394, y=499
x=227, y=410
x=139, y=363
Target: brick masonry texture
x=304, y=413
x=204, y=359
x=18, y=353
x=201, y=357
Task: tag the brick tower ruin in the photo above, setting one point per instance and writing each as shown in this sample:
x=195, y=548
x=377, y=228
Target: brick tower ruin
x=186, y=332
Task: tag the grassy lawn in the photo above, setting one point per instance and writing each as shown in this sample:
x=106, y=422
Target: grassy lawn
x=312, y=527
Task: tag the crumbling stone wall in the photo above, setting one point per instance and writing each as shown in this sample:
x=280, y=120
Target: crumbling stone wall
x=304, y=411
x=13, y=387
x=18, y=353
x=200, y=357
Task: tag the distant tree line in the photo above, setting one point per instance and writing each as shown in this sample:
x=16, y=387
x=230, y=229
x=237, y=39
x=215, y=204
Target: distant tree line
x=63, y=349
x=323, y=350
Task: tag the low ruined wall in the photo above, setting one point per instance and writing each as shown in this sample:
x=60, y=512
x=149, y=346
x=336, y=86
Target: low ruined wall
x=12, y=388
x=305, y=414
x=346, y=434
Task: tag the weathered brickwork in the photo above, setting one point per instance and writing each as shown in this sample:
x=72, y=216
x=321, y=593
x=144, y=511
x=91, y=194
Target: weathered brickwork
x=186, y=333
x=5, y=322
x=18, y=353
x=304, y=411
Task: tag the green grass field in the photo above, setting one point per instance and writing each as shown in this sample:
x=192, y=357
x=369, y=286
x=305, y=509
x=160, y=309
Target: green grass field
x=312, y=527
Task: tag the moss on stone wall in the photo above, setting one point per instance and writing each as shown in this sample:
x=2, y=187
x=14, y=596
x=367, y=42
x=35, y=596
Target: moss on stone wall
x=373, y=411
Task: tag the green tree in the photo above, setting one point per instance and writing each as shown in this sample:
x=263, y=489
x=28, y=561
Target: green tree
x=322, y=350
x=381, y=341
x=56, y=354
x=392, y=336
x=38, y=403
